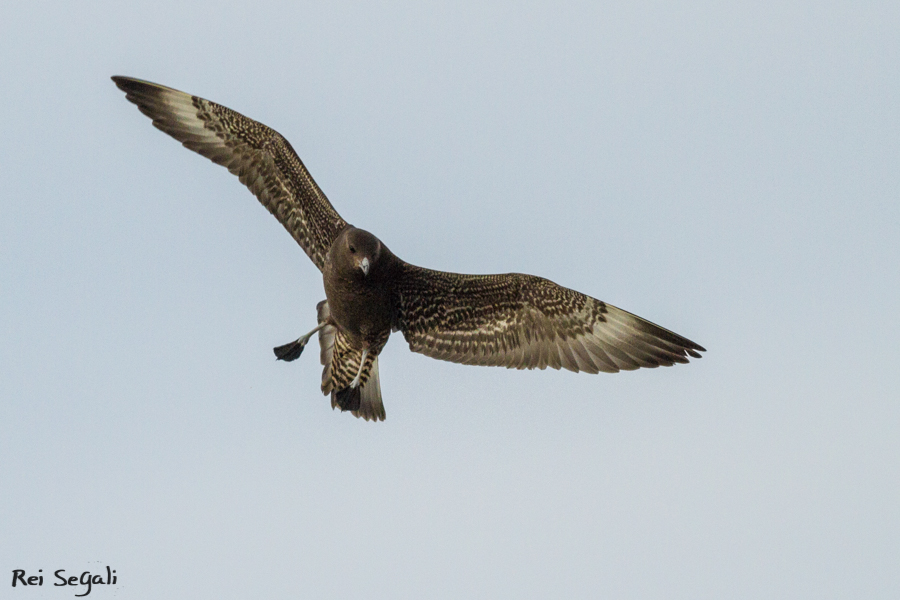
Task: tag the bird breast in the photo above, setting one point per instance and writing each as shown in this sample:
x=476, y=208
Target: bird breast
x=361, y=308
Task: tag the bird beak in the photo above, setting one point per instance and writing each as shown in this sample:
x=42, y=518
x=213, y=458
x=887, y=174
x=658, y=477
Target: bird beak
x=364, y=265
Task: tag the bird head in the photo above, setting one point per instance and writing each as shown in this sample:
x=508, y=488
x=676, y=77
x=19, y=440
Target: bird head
x=359, y=252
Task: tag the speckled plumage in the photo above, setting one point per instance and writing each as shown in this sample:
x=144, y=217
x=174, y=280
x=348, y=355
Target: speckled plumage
x=526, y=322
x=513, y=320
x=261, y=158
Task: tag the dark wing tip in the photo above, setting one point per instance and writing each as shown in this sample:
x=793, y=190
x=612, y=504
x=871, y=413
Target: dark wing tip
x=140, y=91
x=693, y=348
x=130, y=84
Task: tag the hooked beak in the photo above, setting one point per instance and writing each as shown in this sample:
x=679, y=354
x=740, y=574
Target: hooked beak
x=364, y=265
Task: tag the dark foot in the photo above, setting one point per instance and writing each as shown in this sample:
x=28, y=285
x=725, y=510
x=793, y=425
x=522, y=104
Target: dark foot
x=291, y=351
x=348, y=398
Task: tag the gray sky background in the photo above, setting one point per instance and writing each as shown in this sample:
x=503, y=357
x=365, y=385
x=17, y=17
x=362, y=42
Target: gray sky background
x=730, y=171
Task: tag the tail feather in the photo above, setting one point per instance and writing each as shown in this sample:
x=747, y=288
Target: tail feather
x=340, y=364
x=363, y=401
x=370, y=406
x=326, y=346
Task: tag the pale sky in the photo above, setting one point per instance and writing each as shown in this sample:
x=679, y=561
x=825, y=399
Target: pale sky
x=730, y=171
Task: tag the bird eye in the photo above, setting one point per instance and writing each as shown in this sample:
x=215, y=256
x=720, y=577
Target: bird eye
x=352, y=250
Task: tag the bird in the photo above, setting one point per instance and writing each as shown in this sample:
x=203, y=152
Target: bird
x=511, y=320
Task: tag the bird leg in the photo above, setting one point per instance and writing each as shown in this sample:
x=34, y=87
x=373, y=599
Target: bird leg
x=362, y=362
x=292, y=351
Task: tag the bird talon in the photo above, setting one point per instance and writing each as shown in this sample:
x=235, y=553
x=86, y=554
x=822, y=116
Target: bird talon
x=292, y=351
x=362, y=362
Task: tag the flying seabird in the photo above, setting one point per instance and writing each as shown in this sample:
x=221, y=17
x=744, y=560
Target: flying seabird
x=512, y=320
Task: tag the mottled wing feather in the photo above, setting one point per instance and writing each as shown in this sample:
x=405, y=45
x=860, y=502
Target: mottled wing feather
x=262, y=159
x=526, y=322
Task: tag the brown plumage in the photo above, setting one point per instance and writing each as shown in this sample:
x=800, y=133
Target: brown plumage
x=513, y=320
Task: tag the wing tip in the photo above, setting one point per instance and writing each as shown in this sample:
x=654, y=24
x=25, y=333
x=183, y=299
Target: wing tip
x=131, y=84
x=145, y=93
x=126, y=83
x=693, y=349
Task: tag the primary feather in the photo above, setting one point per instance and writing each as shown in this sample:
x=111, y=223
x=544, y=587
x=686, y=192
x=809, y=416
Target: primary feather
x=261, y=158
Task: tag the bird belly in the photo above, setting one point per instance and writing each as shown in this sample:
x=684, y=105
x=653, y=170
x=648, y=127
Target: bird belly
x=364, y=315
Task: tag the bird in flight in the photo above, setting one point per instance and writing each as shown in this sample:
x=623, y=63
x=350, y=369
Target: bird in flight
x=513, y=320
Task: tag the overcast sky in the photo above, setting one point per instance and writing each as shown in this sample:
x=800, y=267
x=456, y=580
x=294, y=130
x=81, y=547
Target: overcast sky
x=730, y=171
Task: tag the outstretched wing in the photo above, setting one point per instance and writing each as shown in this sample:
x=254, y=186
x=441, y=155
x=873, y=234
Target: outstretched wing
x=526, y=322
x=262, y=159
